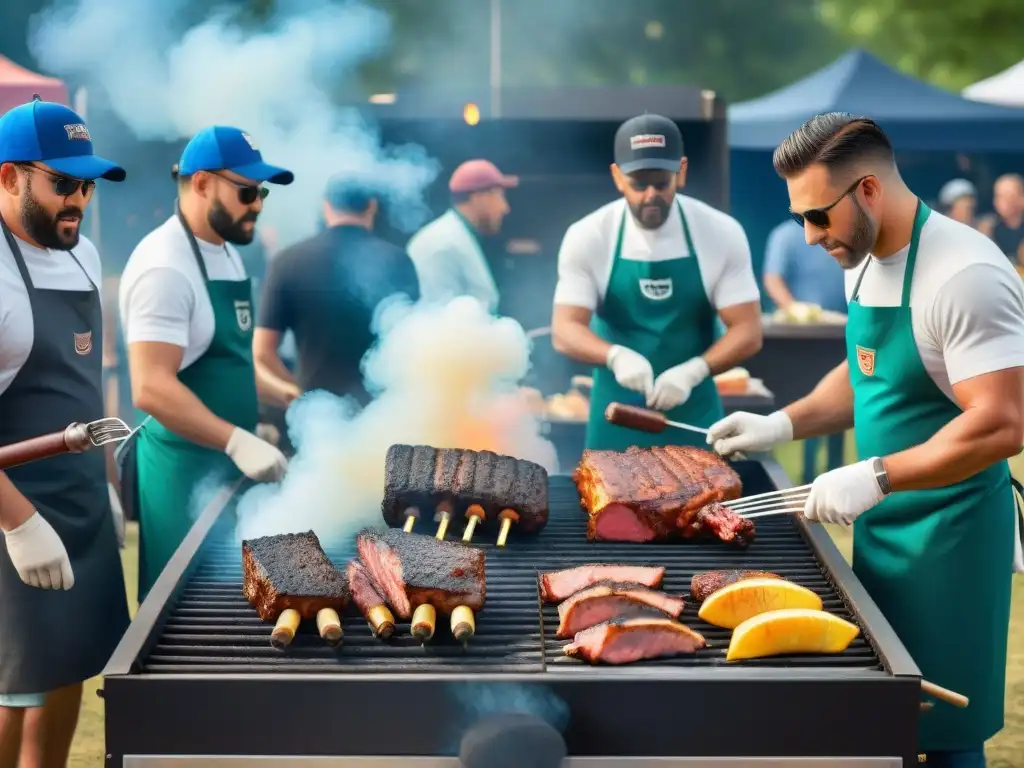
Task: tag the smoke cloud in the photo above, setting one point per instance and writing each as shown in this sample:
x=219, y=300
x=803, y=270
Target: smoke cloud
x=166, y=83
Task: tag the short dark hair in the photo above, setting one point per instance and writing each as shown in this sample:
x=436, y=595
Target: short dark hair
x=837, y=140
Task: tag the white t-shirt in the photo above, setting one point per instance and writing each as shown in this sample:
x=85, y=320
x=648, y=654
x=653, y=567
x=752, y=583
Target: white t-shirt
x=163, y=295
x=723, y=253
x=966, y=301
x=49, y=270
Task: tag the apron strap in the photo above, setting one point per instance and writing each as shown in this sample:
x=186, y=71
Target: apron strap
x=19, y=259
x=920, y=217
x=686, y=230
x=191, y=241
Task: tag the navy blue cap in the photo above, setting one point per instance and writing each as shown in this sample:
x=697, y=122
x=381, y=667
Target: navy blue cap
x=220, y=148
x=50, y=133
x=648, y=143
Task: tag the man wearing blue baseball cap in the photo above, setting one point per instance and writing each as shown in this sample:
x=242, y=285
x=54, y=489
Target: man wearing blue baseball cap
x=186, y=310
x=60, y=566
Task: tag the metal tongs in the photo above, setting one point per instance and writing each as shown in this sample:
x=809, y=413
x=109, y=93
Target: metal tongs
x=75, y=438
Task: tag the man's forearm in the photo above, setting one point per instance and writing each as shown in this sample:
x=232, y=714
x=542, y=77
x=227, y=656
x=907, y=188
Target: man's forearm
x=274, y=389
x=577, y=341
x=175, y=406
x=15, y=509
x=828, y=409
x=738, y=343
x=778, y=291
x=970, y=443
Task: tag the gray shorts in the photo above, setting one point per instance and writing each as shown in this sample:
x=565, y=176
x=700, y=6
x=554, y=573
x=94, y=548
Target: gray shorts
x=22, y=700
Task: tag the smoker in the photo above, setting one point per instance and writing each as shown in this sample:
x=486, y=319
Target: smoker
x=195, y=680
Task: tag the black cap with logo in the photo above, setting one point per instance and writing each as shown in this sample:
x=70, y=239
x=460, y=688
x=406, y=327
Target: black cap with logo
x=648, y=143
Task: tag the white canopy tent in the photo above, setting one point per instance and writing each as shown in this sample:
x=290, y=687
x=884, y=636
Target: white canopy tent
x=1006, y=88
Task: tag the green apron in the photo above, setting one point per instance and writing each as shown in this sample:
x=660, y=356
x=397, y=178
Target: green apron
x=174, y=473
x=937, y=562
x=660, y=310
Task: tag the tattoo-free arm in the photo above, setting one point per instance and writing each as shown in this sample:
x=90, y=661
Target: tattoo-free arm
x=742, y=339
x=15, y=509
x=827, y=410
x=572, y=337
x=274, y=382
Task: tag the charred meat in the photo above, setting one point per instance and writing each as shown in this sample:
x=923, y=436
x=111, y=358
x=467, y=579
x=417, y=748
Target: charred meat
x=368, y=598
x=291, y=570
x=556, y=586
x=626, y=640
x=703, y=585
x=713, y=521
x=423, y=477
x=606, y=601
x=412, y=570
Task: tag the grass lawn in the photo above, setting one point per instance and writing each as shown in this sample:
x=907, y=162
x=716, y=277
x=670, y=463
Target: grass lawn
x=1004, y=751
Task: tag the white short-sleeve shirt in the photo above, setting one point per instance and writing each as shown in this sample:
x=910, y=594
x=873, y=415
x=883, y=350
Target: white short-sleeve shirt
x=163, y=296
x=49, y=270
x=966, y=301
x=587, y=254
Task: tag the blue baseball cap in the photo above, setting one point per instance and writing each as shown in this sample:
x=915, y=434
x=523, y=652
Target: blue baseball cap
x=50, y=133
x=220, y=148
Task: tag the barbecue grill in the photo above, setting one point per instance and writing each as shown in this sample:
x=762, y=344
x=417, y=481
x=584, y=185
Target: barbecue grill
x=196, y=682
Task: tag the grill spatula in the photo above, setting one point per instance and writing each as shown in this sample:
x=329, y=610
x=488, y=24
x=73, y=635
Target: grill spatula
x=76, y=438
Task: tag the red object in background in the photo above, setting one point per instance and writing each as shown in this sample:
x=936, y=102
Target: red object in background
x=18, y=85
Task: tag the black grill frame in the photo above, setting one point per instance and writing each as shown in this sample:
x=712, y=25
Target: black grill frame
x=625, y=710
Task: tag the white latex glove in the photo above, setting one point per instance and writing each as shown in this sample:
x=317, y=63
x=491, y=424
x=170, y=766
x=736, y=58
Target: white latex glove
x=631, y=369
x=118, y=513
x=844, y=494
x=257, y=458
x=268, y=432
x=749, y=432
x=38, y=555
x=673, y=387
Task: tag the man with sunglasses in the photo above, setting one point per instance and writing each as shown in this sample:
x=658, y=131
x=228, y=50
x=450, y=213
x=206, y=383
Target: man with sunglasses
x=933, y=387
x=60, y=566
x=659, y=270
x=186, y=308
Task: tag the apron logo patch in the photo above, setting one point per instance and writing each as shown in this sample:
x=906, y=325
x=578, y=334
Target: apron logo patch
x=243, y=313
x=866, y=360
x=656, y=290
x=83, y=343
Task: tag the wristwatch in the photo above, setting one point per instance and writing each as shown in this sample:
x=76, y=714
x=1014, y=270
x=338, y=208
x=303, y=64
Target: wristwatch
x=881, y=476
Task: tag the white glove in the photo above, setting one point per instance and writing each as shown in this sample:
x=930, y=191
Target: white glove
x=268, y=432
x=631, y=369
x=118, y=513
x=673, y=387
x=38, y=555
x=844, y=494
x=257, y=459
x=748, y=432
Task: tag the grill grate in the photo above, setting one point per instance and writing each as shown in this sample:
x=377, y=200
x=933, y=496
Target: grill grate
x=213, y=629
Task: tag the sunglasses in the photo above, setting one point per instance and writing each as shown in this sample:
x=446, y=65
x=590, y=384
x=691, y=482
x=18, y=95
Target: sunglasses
x=660, y=185
x=247, y=193
x=64, y=186
x=819, y=216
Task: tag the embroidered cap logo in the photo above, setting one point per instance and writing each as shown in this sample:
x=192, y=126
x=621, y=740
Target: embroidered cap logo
x=645, y=140
x=243, y=313
x=250, y=142
x=866, y=360
x=77, y=131
x=83, y=343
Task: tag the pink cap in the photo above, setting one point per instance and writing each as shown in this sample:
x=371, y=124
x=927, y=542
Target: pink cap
x=477, y=175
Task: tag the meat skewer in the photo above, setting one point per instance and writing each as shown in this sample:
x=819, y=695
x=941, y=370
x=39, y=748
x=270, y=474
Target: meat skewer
x=644, y=419
x=369, y=600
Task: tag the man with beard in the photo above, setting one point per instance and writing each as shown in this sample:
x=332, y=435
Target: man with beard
x=447, y=253
x=186, y=308
x=642, y=284
x=59, y=565
x=933, y=386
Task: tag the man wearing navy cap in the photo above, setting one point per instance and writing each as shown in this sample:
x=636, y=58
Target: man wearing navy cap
x=62, y=600
x=186, y=309
x=658, y=269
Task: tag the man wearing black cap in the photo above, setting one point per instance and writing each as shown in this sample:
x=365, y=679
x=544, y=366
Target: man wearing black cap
x=62, y=600
x=658, y=269
x=186, y=310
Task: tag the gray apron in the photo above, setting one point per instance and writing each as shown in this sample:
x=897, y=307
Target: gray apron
x=51, y=638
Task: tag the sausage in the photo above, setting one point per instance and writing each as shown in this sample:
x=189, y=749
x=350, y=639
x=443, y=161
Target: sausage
x=635, y=418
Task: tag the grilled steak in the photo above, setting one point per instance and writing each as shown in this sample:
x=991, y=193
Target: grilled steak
x=703, y=585
x=556, y=586
x=291, y=570
x=624, y=640
x=607, y=600
x=412, y=569
x=365, y=593
x=422, y=477
x=656, y=494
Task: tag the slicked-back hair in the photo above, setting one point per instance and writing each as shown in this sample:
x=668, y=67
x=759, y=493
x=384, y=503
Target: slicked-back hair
x=837, y=140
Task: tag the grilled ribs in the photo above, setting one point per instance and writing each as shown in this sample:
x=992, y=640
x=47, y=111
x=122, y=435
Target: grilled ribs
x=556, y=586
x=422, y=477
x=703, y=585
x=291, y=570
x=625, y=640
x=657, y=494
x=412, y=569
x=606, y=601
x=365, y=593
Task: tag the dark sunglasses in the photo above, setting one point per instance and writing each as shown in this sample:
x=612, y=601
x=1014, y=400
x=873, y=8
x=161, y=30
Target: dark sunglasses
x=247, y=193
x=64, y=186
x=641, y=186
x=819, y=216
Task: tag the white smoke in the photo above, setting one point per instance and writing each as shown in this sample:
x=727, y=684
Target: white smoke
x=269, y=81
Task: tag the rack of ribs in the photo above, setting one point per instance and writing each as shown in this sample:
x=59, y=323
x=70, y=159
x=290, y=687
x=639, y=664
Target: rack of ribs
x=660, y=493
x=287, y=578
x=452, y=482
x=420, y=575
